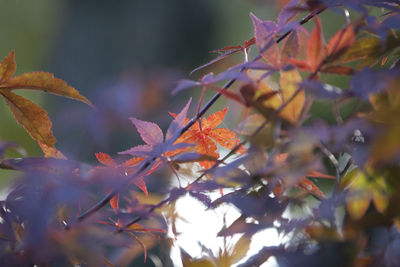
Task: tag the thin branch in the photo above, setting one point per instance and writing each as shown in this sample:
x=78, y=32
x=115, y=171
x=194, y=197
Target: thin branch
x=205, y=108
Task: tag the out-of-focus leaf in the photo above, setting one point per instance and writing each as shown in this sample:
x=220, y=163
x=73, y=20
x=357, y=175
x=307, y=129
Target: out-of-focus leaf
x=240, y=226
x=198, y=263
x=140, y=243
x=203, y=198
x=288, y=12
x=192, y=157
x=360, y=49
x=209, y=79
x=185, y=84
x=290, y=47
x=124, y=169
x=32, y=117
x=52, y=165
x=315, y=46
x=341, y=70
x=51, y=152
x=322, y=90
x=368, y=81
x=229, y=50
x=317, y=174
x=365, y=187
x=310, y=187
x=240, y=249
x=250, y=124
x=369, y=50
x=105, y=159
x=4, y=146
x=178, y=122
x=288, y=86
x=114, y=202
x=340, y=41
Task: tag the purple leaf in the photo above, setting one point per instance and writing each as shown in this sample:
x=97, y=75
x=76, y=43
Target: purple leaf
x=220, y=57
x=150, y=132
x=137, y=150
x=264, y=32
x=370, y=81
x=191, y=157
x=288, y=12
x=229, y=75
x=185, y=84
x=290, y=46
x=178, y=123
x=41, y=164
x=240, y=226
x=322, y=90
x=203, y=198
x=205, y=186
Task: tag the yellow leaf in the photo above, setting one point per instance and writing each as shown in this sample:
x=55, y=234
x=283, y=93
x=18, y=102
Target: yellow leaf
x=46, y=82
x=7, y=67
x=357, y=206
x=32, y=117
x=198, y=263
x=240, y=249
x=288, y=87
x=380, y=193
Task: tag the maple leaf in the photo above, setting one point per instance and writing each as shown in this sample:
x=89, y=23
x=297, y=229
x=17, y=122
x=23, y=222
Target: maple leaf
x=33, y=118
x=305, y=183
x=319, y=55
x=207, y=136
x=156, y=146
x=267, y=100
x=365, y=187
x=265, y=33
x=123, y=169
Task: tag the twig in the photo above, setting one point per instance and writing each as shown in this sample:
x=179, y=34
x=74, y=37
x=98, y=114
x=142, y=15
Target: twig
x=205, y=108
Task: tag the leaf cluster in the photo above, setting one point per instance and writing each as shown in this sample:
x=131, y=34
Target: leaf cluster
x=270, y=167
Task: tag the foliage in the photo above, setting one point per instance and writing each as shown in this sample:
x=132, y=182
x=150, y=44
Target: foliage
x=50, y=217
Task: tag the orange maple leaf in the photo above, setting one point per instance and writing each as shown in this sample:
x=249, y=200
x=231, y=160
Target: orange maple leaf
x=318, y=52
x=206, y=136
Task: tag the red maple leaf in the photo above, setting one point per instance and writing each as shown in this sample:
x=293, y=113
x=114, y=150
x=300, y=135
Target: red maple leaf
x=318, y=52
x=206, y=136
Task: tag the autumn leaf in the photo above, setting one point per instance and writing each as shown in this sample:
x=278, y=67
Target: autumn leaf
x=51, y=152
x=33, y=118
x=320, y=56
x=288, y=86
x=46, y=82
x=305, y=183
x=364, y=187
x=207, y=136
x=267, y=100
x=29, y=115
x=123, y=169
x=153, y=136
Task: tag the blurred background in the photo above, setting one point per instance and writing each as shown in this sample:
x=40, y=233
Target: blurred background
x=125, y=56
